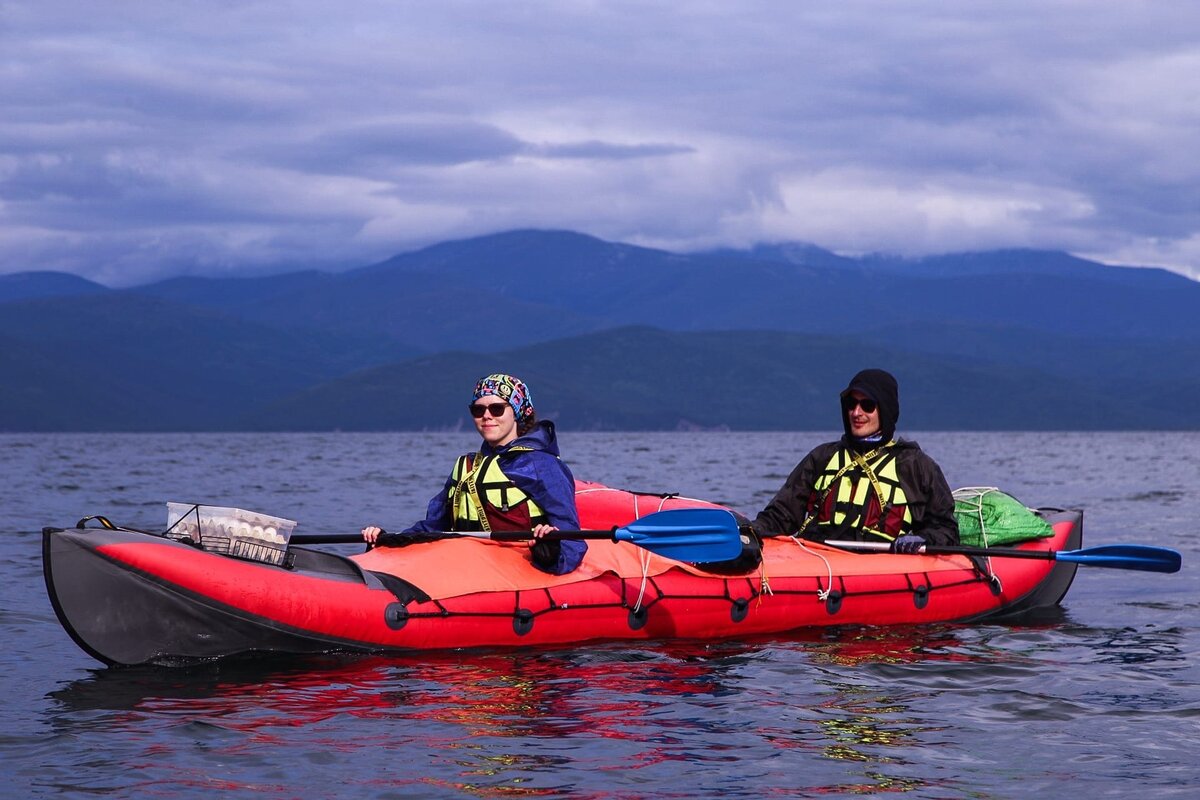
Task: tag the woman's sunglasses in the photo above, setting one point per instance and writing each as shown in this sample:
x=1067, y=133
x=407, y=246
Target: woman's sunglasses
x=495, y=409
x=866, y=404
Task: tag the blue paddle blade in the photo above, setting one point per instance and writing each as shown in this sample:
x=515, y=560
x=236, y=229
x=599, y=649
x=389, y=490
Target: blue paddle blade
x=695, y=535
x=1125, y=556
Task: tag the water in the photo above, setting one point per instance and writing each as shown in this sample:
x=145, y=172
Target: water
x=1099, y=697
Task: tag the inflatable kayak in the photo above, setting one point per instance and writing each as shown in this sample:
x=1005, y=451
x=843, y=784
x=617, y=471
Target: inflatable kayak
x=134, y=597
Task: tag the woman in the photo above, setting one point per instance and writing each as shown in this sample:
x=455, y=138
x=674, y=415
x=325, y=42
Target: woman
x=516, y=482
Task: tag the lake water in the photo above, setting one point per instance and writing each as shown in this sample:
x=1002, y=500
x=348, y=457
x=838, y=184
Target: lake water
x=1100, y=698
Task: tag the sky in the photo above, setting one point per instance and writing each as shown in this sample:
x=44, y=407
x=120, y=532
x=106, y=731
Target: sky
x=141, y=140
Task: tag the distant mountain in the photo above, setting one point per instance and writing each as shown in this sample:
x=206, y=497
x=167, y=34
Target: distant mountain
x=646, y=379
x=19, y=286
x=537, y=286
x=119, y=361
x=1035, y=263
x=527, y=286
x=789, y=253
x=410, y=301
x=244, y=296
x=204, y=353
x=608, y=284
x=43, y=392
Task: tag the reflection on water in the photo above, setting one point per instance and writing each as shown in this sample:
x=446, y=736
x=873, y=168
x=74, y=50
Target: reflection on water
x=504, y=723
x=838, y=711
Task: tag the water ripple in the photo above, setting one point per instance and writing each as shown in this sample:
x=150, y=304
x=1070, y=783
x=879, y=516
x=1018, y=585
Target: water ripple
x=1101, y=697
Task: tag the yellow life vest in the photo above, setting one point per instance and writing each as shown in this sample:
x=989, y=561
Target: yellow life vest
x=861, y=491
x=482, y=497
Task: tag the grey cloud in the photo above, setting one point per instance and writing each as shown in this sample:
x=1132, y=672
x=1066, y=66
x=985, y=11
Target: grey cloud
x=370, y=148
x=379, y=149
x=225, y=129
x=62, y=177
x=78, y=194
x=603, y=151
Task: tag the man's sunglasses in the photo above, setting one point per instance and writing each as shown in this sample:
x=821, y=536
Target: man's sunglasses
x=866, y=404
x=495, y=409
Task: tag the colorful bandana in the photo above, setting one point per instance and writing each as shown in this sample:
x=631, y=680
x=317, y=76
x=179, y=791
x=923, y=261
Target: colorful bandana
x=510, y=389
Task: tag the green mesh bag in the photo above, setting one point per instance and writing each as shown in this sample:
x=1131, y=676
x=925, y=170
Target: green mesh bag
x=987, y=516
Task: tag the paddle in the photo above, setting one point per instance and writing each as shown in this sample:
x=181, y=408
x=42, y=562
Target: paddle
x=696, y=535
x=1114, y=556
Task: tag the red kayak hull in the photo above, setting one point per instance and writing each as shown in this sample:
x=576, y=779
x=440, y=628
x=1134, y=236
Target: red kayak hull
x=131, y=598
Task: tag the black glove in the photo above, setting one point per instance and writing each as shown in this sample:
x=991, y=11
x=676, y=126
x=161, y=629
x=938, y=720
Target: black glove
x=748, y=559
x=908, y=544
x=746, y=530
x=546, y=553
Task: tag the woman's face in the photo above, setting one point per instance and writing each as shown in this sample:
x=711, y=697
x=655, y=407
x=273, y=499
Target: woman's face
x=497, y=426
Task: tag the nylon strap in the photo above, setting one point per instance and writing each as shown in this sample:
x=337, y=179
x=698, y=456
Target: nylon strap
x=474, y=493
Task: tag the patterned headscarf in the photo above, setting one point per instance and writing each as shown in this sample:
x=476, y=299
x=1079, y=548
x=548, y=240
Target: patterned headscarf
x=510, y=389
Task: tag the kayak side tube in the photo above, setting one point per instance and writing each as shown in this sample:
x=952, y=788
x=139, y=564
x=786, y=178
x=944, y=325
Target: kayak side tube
x=122, y=611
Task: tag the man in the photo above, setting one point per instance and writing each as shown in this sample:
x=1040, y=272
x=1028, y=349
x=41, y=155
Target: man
x=868, y=485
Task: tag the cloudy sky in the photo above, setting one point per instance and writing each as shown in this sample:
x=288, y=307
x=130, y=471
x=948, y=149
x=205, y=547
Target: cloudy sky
x=144, y=139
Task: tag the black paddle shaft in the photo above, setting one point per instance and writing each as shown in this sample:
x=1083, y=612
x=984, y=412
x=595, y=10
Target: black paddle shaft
x=399, y=539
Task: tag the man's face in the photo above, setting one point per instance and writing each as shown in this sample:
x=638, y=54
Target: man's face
x=863, y=423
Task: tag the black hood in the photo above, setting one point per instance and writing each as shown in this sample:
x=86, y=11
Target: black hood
x=881, y=387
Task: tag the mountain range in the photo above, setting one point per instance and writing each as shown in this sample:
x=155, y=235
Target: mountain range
x=609, y=336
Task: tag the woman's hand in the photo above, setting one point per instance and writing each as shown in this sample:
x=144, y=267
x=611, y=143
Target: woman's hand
x=545, y=552
x=371, y=533
x=541, y=530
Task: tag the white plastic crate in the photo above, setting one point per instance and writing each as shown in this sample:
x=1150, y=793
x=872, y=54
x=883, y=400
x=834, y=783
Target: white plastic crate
x=231, y=531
